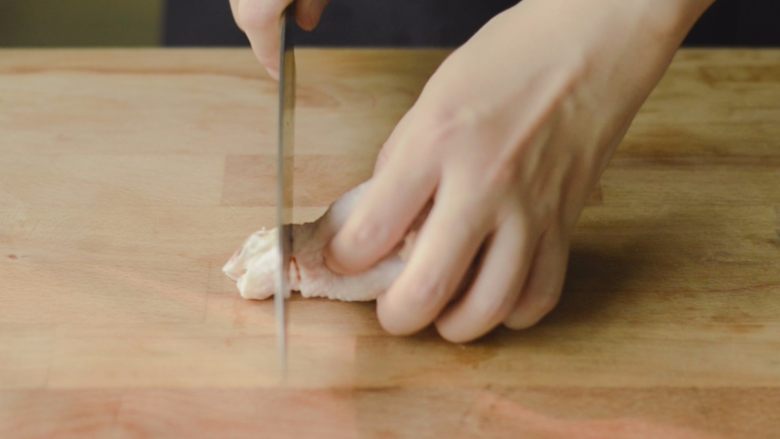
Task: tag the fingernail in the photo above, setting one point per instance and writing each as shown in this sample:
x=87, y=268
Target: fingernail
x=273, y=73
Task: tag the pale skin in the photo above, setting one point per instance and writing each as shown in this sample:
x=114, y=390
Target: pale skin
x=504, y=145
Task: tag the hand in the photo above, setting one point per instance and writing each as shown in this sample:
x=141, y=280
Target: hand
x=506, y=142
x=261, y=19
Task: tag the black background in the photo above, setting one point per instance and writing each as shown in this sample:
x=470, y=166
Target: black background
x=748, y=23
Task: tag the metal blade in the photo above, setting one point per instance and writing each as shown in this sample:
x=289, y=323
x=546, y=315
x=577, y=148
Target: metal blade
x=284, y=181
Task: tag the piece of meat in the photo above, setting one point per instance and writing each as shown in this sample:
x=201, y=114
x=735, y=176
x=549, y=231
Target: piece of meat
x=253, y=266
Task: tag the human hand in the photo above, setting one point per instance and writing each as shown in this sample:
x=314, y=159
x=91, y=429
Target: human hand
x=506, y=142
x=261, y=20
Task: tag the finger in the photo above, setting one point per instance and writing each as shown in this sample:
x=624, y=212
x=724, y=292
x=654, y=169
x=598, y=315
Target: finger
x=497, y=286
x=309, y=12
x=393, y=142
x=545, y=281
x=234, y=10
x=261, y=21
x=383, y=215
x=447, y=245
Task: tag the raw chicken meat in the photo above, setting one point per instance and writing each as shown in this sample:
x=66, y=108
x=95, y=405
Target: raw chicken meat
x=253, y=266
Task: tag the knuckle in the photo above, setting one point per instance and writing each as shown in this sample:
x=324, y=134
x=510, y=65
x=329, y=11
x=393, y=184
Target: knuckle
x=448, y=123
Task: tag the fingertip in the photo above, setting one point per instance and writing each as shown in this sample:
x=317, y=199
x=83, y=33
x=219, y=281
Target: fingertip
x=389, y=326
x=545, y=283
x=534, y=303
x=273, y=72
x=452, y=327
x=309, y=12
x=306, y=22
x=413, y=303
x=332, y=259
x=268, y=61
x=446, y=332
x=360, y=244
x=519, y=322
x=390, y=319
x=528, y=314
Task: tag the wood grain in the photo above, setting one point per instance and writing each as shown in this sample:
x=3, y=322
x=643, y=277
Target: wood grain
x=127, y=177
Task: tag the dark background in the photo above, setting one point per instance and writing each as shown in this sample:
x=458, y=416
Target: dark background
x=754, y=23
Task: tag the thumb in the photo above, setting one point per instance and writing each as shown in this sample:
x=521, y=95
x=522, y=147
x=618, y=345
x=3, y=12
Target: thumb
x=309, y=12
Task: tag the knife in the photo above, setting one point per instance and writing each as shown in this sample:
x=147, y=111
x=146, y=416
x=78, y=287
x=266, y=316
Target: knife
x=284, y=180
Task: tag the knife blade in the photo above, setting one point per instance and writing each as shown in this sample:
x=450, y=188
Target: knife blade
x=284, y=180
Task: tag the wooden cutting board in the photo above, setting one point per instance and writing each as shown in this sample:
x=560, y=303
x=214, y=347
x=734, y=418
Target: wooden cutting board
x=127, y=177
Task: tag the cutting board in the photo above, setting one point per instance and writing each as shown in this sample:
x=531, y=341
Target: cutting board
x=128, y=177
